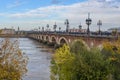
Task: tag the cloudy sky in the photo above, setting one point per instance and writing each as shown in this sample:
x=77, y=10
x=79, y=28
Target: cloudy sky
x=31, y=14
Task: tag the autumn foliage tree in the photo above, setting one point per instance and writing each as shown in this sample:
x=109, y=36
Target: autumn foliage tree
x=12, y=61
x=111, y=50
x=78, y=62
x=61, y=64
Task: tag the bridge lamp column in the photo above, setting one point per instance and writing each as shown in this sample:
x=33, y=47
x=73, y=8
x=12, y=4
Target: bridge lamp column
x=39, y=29
x=42, y=29
x=54, y=27
x=47, y=27
x=99, y=24
x=80, y=27
x=59, y=29
x=88, y=22
x=67, y=25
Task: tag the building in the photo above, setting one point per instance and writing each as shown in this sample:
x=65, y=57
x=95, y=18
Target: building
x=114, y=29
x=77, y=30
x=7, y=31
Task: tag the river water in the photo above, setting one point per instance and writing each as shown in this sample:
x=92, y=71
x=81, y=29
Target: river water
x=39, y=59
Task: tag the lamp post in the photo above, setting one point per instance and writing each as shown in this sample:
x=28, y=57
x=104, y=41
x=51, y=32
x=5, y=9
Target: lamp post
x=47, y=27
x=54, y=27
x=59, y=29
x=88, y=22
x=99, y=24
x=39, y=29
x=80, y=27
x=42, y=29
x=67, y=25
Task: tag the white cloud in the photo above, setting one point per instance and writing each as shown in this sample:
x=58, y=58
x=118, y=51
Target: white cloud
x=110, y=3
x=15, y=4
x=1, y=14
x=76, y=13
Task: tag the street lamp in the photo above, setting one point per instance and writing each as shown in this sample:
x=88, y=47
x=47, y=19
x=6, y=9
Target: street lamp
x=54, y=27
x=99, y=24
x=80, y=27
x=59, y=29
x=39, y=29
x=88, y=22
x=47, y=27
x=43, y=29
x=67, y=25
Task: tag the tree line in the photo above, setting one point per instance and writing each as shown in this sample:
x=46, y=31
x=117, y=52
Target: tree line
x=79, y=62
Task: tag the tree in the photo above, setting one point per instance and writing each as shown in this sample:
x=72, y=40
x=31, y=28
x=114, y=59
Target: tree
x=0, y=31
x=62, y=61
x=12, y=61
x=112, y=52
x=114, y=32
x=89, y=63
x=79, y=63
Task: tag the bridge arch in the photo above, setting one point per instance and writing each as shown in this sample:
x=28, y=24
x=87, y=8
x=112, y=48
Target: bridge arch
x=35, y=36
x=47, y=38
x=53, y=39
x=38, y=37
x=42, y=38
x=81, y=41
x=63, y=40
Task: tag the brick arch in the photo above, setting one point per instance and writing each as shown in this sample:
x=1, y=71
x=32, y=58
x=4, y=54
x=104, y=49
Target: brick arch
x=83, y=41
x=91, y=42
x=53, y=39
x=35, y=36
x=42, y=37
x=63, y=40
x=47, y=38
x=38, y=37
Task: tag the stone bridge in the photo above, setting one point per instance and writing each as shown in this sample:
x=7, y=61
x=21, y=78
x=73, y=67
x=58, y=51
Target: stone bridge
x=60, y=39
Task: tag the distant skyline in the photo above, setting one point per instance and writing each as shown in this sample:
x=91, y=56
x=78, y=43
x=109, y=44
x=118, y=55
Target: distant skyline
x=31, y=14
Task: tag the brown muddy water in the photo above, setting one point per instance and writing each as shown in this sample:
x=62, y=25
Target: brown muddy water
x=39, y=59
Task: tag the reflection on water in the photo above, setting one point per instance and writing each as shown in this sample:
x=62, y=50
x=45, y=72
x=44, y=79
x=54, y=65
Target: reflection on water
x=39, y=59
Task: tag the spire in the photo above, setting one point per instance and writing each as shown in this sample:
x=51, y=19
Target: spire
x=18, y=28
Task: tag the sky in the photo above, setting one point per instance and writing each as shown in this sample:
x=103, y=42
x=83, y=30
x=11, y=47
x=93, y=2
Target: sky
x=32, y=14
